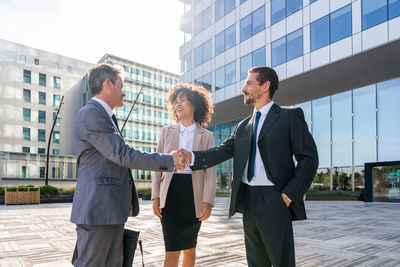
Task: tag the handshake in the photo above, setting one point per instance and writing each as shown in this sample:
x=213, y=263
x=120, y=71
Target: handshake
x=182, y=158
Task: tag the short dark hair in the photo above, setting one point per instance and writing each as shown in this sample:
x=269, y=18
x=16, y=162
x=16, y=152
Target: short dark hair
x=198, y=96
x=266, y=74
x=98, y=73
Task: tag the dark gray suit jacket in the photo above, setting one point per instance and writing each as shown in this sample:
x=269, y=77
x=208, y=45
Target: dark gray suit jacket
x=105, y=189
x=283, y=135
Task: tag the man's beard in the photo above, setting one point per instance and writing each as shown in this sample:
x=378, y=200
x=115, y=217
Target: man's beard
x=248, y=101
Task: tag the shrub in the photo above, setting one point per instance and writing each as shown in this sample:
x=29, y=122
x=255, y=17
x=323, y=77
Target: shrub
x=1, y=191
x=144, y=191
x=49, y=190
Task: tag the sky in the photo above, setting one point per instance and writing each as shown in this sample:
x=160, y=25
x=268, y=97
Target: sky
x=145, y=31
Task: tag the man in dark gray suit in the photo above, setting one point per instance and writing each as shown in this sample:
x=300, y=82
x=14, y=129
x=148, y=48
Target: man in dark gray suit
x=267, y=187
x=105, y=191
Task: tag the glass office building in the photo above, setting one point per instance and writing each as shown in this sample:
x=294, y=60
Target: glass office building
x=337, y=60
x=143, y=128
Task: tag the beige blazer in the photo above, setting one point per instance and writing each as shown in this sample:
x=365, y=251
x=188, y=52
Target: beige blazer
x=204, y=181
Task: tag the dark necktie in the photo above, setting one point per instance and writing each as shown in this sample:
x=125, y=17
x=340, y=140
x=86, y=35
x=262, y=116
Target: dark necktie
x=252, y=159
x=115, y=121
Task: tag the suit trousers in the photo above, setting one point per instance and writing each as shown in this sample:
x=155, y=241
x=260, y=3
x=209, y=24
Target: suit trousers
x=99, y=245
x=268, y=227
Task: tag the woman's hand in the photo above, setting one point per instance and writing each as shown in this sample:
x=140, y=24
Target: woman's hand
x=156, y=207
x=205, y=211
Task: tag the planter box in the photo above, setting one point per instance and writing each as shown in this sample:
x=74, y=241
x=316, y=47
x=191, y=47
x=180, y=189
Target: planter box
x=29, y=195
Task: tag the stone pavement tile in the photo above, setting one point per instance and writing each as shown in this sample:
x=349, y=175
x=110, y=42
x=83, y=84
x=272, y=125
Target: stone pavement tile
x=347, y=233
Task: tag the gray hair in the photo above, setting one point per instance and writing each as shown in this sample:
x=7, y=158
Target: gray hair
x=99, y=72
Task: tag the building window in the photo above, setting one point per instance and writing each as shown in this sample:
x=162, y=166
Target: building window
x=36, y=61
x=56, y=151
x=331, y=28
x=27, y=95
x=41, y=135
x=225, y=75
x=42, y=79
x=374, y=12
x=186, y=62
x=341, y=25
x=278, y=51
x=42, y=172
x=202, y=53
x=58, y=119
x=245, y=65
x=26, y=149
x=57, y=82
x=225, y=40
x=254, y=59
x=56, y=100
x=220, y=78
x=202, y=21
x=56, y=137
x=394, y=8
x=252, y=23
x=41, y=151
x=41, y=116
x=26, y=114
x=42, y=98
x=55, y=170
x=205, y=81
x=258, y=57
x=312, y=1
x=319, y=31
x=220, y=43
x=242, y=1
x=27, y=76
x=230, y=71
x=245, y=28
x=294, y=42
x=25, y=172
x=223, y=7
x=280, y=9
x=26, y=134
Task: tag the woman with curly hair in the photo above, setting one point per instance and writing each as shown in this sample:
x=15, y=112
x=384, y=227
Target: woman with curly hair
x=184, y=198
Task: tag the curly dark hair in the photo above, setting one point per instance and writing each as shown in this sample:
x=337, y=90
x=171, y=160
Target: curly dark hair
x=198, y=96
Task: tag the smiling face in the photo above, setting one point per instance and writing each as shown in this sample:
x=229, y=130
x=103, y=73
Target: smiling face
x=116, y=93
x=183, y=108
x=254, y=93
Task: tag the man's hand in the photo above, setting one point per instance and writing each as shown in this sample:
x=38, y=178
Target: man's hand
x=186, y=154
x=156, y=207
x=205, y=211
x=287, y=201
x=179, y=160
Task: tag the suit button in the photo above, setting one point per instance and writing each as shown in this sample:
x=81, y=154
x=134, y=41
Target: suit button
x=205, y=166
x=204, y=159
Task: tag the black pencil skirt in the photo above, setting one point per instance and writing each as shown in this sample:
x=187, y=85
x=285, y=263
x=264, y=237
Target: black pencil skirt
x=179, y=222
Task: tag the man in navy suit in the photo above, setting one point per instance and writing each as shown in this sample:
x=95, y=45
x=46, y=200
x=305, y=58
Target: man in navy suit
x=267, y=187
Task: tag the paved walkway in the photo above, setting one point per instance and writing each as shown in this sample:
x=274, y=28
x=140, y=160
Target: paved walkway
x=337, y=234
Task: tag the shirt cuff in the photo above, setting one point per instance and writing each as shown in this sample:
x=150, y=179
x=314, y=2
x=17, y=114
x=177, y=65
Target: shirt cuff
x=287, y=197
x=192, y=163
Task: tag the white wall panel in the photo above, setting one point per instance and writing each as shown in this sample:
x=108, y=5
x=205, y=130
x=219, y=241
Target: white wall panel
x=341, y=49
x=294, y=67
x=375, y=36
x=394, y=29
x=320, y=57
x=294, y=21
x=278, y=30
x=319, y=9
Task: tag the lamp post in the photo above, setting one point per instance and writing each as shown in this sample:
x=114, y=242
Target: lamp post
x=48, y=143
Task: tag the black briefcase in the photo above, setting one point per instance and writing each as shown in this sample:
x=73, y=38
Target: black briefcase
x=130, y=241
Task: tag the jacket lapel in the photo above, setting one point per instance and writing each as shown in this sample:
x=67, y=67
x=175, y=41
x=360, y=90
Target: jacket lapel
x=272, y=116
x=174, y=137
x=198, y=133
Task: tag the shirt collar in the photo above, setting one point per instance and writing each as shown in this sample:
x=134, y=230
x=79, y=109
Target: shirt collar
x=264, y=110
x=188, y=128
x=104, y=105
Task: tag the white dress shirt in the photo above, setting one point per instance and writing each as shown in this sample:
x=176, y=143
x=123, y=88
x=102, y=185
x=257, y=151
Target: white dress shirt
x=186, y=138
x=260, y=175
x=106, y=107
